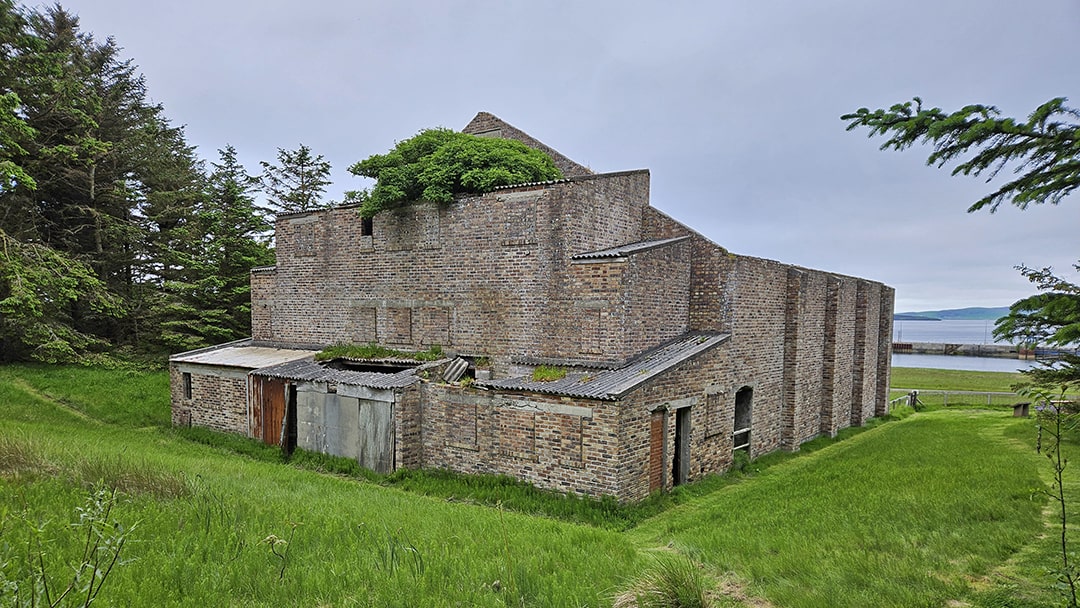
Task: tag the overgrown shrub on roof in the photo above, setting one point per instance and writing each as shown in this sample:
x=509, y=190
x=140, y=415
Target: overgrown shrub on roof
x=437, y=164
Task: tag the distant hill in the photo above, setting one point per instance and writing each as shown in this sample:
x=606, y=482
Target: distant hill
x=954, y=314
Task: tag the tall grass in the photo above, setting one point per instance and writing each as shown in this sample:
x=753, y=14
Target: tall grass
x=931, y=509
x=253, y=533
x=903, y=515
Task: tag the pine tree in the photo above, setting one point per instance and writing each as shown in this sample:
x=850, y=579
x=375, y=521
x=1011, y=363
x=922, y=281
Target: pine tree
x=297, y=182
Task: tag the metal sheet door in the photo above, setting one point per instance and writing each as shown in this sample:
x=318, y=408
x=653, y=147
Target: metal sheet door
x=376, y=426
x=268, y=411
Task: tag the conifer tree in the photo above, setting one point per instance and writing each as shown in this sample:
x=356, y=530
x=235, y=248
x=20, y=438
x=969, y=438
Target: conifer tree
x=1043, y=152
x=297, y=182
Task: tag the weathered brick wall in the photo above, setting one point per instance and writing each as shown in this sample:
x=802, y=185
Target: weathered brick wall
x=408, y=431
x=219, y=398
x=707, y=304
x=485, y=275
x=756, y=290
x=262, y=286
x=865, y=395
x=700, y=384
x=595, y=306
x=839, y=354
x=563, y=444
x=884, y=350
x=620, y=307
x=803, y=363
x=656, y=300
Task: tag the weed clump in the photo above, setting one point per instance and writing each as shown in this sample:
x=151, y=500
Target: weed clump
x=374, y=351
x=669, y=583
x=548, y=373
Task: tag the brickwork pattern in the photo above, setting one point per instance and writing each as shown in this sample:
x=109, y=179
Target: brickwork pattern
x=217, y=402
x=494, y=275
x=564, y=444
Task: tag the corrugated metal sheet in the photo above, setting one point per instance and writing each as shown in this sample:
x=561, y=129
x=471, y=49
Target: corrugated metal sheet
x=612, y=384
x=625, y=250
x=307, y=370
x=249, y=357
x=455, y=370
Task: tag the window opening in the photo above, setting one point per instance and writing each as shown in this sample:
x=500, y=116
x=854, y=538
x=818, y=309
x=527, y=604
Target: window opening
x=187, y=385
x=367, y=226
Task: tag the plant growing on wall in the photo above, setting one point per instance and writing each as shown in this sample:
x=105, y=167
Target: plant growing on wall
x=437, y=164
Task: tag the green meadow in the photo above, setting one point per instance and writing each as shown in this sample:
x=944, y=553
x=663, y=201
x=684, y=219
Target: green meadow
x=935, y=508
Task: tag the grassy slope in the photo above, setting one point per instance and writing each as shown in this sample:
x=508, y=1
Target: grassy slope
x=355, y=544
x=888, y=524
x=912, y=513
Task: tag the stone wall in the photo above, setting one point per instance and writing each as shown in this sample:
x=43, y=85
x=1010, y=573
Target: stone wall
x=219, y=397
x=562, y=444
x=486, y=275
x=700, y=384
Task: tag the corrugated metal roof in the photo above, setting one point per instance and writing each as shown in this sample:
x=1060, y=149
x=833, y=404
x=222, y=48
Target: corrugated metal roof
x=249, y=357
x=612, y=384
x=625, y=250
x=308, y=370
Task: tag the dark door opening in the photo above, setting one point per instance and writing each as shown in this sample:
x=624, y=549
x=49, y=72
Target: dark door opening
x=680, y=462
x=289, y=443
x=740, y=436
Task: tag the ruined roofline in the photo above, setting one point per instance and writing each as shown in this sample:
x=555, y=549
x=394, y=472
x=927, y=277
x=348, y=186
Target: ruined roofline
x=486, y=124
x=497, y=189
x=566, y=180
x=692, y=232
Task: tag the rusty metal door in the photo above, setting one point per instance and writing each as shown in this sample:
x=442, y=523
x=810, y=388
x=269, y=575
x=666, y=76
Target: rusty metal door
x=376, y=445
x=268, y=409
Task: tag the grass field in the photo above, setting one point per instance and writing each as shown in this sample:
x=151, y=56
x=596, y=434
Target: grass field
x=953, y=380
x=935, y=508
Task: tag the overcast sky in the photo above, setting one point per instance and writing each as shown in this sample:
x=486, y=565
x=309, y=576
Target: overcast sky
x=733, y=106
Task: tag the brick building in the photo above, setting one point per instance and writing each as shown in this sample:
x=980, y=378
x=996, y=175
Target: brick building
x=677, y=352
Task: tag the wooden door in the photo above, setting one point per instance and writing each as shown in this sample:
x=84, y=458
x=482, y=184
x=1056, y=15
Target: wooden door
x=657, y=456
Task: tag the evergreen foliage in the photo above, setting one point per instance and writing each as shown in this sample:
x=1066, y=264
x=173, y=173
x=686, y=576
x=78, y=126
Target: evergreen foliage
x=1043, y=151
x=113, y=235
x=437, y=164
x=297, y=182
x=41, y=289
x=1051, y=318
x=228, y=237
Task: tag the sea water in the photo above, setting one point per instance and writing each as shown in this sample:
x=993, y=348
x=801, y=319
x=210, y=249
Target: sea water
x=947, y=332
x=976, y=364
x=952, y=332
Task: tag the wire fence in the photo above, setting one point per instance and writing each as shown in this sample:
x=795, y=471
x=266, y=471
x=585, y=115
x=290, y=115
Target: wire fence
x=930, y=397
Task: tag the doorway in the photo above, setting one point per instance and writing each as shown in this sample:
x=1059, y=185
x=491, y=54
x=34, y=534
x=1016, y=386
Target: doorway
x=680, y=462
x=740, y=436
